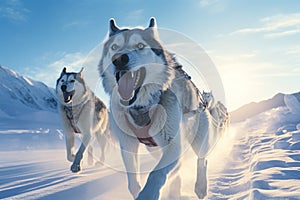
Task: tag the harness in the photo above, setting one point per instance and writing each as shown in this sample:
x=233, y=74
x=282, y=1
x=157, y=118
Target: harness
x=142, y=134
x=73, y=116
x=147, y=141
x=141, y=117
x=71, y=119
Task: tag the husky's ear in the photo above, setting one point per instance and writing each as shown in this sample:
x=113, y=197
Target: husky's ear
x=152, y=23
x=81, y=72
x=64, y=71
x=153, y=27
x=113, y=28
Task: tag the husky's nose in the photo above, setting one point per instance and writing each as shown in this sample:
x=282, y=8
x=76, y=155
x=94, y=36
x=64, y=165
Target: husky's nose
x=63, y=88
x=120, y=60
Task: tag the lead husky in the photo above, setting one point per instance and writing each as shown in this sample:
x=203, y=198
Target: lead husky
x=150, y=96
x=81, y=112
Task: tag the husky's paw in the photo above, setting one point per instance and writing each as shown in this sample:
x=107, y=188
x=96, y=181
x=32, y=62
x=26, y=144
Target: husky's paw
x=75, y=167
x=201, y=190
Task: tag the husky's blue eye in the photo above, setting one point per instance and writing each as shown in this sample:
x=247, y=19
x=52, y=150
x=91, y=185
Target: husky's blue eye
x=140, y=45
x=72, y=81
x=62, y=80
x=114, y=47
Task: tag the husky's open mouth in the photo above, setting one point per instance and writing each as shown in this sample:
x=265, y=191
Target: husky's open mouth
x=68, y=96
x=129, y=83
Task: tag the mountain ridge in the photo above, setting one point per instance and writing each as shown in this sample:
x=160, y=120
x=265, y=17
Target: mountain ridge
x=254, y=108
x=21, y=94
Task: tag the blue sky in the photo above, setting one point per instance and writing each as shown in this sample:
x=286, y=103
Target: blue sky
x=255, y=45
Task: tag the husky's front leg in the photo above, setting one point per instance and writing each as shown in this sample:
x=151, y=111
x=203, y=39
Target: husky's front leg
x=101, y=139
x=70, y=146
x=201, y=182
x=129, y=155
x=78, y=157
x=158, y=176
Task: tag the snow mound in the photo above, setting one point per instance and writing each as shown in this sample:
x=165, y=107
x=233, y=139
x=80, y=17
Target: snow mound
x=264, y=160
x=292, y=103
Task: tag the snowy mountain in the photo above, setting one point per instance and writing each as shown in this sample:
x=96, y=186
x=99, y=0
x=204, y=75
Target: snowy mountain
x=28, y=113
x=20, y=94
x=252, y=109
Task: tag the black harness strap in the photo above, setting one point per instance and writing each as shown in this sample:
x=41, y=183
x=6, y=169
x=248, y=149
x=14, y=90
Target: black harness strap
x=71, y=119
x=70, y=115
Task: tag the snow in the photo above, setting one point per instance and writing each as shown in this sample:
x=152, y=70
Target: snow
x=252, y=161
x=292, y=103
x=258, y=158
x=22, y=95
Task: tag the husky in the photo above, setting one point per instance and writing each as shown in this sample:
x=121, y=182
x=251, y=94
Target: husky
x=217, y=110
x=83, y=113
x=209, y=99
x=153, y=102
x=209, y=102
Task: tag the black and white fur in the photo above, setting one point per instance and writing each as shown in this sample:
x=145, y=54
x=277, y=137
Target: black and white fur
x=150, y=96
x=81, y=112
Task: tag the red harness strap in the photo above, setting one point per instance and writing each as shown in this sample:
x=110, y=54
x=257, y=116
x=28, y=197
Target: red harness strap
x=147, y=141
x=142, y=134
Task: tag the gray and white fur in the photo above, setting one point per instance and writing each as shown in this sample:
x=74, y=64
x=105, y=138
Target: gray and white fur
x=83, y=113
x=153, y=101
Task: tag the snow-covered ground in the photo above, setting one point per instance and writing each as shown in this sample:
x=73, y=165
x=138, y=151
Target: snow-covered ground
x=257, y=159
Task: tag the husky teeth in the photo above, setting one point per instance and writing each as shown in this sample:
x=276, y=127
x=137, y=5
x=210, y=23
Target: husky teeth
x=137, y=78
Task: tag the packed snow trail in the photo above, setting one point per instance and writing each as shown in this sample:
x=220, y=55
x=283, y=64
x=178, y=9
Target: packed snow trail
x=260, y=165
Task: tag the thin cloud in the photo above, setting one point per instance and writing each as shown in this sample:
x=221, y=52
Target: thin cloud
x=135, y=15
x=14, y=10
x=75, y=24
x=207, y=3
x=72, y=60
x=234, y=57
x=49, y=73
x=275, y=26
x=279, y=74
x=294, y=50
x=283, y=33
x=212, y=5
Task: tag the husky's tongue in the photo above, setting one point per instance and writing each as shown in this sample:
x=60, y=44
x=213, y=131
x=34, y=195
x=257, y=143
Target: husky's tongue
x=126, y=85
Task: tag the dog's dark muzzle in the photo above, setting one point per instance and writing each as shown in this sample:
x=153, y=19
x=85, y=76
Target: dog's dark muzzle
x=120, y=61
x=63, y=88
